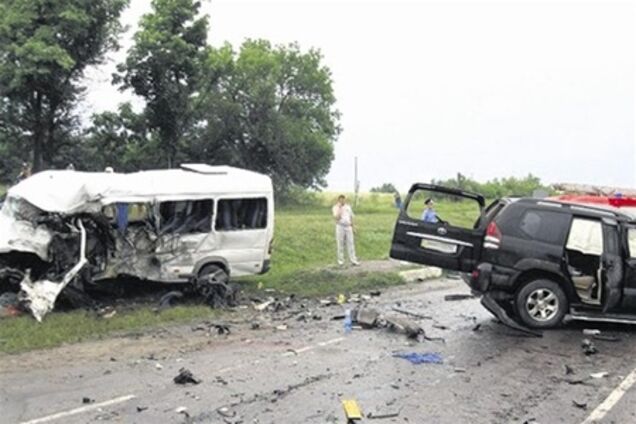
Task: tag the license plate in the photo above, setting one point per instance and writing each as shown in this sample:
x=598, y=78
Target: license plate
x=439, y=246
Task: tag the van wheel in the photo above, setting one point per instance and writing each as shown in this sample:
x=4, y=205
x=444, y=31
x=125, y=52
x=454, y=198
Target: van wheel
x=212, y=284
x=541, y=304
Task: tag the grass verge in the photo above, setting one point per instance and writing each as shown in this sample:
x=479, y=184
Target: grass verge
x=24, y=333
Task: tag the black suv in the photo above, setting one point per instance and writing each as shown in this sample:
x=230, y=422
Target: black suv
x=533, y=261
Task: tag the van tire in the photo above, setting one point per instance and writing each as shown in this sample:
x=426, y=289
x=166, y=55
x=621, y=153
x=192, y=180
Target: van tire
x=216, y=290
x=541, y=303
x=211, y=269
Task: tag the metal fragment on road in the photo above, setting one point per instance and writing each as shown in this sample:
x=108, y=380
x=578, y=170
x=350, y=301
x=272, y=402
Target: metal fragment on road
x=352, y=410
x=185, y=377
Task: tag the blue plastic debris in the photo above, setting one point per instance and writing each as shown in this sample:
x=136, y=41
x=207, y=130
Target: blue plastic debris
x=420, y=358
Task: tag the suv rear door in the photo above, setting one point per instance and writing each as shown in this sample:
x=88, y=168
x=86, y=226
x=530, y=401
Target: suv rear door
x=452, y=243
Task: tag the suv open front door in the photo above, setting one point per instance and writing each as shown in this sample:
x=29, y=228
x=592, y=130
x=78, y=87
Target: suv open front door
x=612, y=269
x=449, y=240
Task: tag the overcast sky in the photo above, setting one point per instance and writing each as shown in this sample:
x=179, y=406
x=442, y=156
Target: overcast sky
x=427, y=89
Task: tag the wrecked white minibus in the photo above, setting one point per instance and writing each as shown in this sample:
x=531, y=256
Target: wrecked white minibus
x=64, y=230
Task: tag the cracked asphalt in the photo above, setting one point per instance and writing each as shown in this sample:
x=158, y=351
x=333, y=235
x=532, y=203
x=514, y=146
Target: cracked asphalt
x=490, y=374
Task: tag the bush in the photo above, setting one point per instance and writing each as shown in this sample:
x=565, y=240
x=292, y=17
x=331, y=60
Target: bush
x=384, y=188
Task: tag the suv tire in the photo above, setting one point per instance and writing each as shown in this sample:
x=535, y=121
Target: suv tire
x=541, y=304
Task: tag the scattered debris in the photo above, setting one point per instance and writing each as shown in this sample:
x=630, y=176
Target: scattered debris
x=158, y=366
x=226, y=412
x=420, y=358
x=576, y=382
x=9, y=305
x=352, y=410
x=459, y=370
x=455, y=297
x=440, y=327
x=86, y=400
x=568, y=370
x=107, y=312
x=421, y=274
x=591, y=332
x=588, y=347
x=182, y=410
x=328, y=301
x=169, y=299
x=375, y=293
x=381, y=415
x=601, y=374
x=185, y=376
x=411, y=314
x=221, y=380
x=141, y=408
x=371, y=318
x=401, y=325
x=263, y=306
x=606, y=338
x=477, y=327
x=580, y=405
x=281, y=327
x=342, y=299
x=212, y=327
x=367, y=317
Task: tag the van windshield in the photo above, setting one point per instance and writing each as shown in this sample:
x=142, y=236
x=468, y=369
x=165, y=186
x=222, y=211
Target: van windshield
x=20, y=210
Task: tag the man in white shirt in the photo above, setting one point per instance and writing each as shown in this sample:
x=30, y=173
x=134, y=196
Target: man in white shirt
x=343, y=216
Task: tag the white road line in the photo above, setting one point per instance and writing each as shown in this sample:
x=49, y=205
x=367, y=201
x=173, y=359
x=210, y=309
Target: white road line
x=611, y=400
x=76, y=411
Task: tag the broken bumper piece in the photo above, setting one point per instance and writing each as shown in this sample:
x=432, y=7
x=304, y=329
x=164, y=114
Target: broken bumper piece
x=494, y=308
x=39, y=296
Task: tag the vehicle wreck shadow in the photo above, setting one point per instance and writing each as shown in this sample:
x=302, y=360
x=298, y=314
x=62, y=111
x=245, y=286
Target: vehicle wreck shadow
x=127, y=293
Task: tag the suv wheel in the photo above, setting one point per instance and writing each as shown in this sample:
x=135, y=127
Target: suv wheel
x=541, y=304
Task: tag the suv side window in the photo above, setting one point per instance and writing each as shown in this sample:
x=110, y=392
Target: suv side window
x=544, y=226
x=586, y=236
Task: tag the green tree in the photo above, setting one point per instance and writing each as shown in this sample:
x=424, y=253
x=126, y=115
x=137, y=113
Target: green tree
x=163, y=67
x=384, y=188
x=270, y=109
x=121, y=140
x=45, y=46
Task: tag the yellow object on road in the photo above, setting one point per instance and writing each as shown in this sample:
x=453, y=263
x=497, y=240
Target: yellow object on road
x=352, y=410
x=342, y=298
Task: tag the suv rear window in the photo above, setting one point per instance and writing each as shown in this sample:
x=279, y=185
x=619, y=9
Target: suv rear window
x=535, y=224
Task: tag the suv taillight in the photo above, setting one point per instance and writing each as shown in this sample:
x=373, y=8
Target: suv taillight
x=493, y=236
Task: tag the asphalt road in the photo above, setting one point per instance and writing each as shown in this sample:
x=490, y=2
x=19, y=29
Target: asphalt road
x=490, y=374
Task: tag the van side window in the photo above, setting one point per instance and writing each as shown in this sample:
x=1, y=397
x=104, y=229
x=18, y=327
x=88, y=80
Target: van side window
x=544, y=226
x=586, y=236
x=241, y=214
x=185, y=216
x=631, y=242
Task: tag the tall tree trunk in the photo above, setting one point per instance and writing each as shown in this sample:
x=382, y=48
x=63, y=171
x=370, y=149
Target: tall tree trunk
x=38, y=134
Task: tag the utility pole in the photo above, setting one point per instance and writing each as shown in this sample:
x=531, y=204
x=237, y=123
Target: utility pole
x=356, y=182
